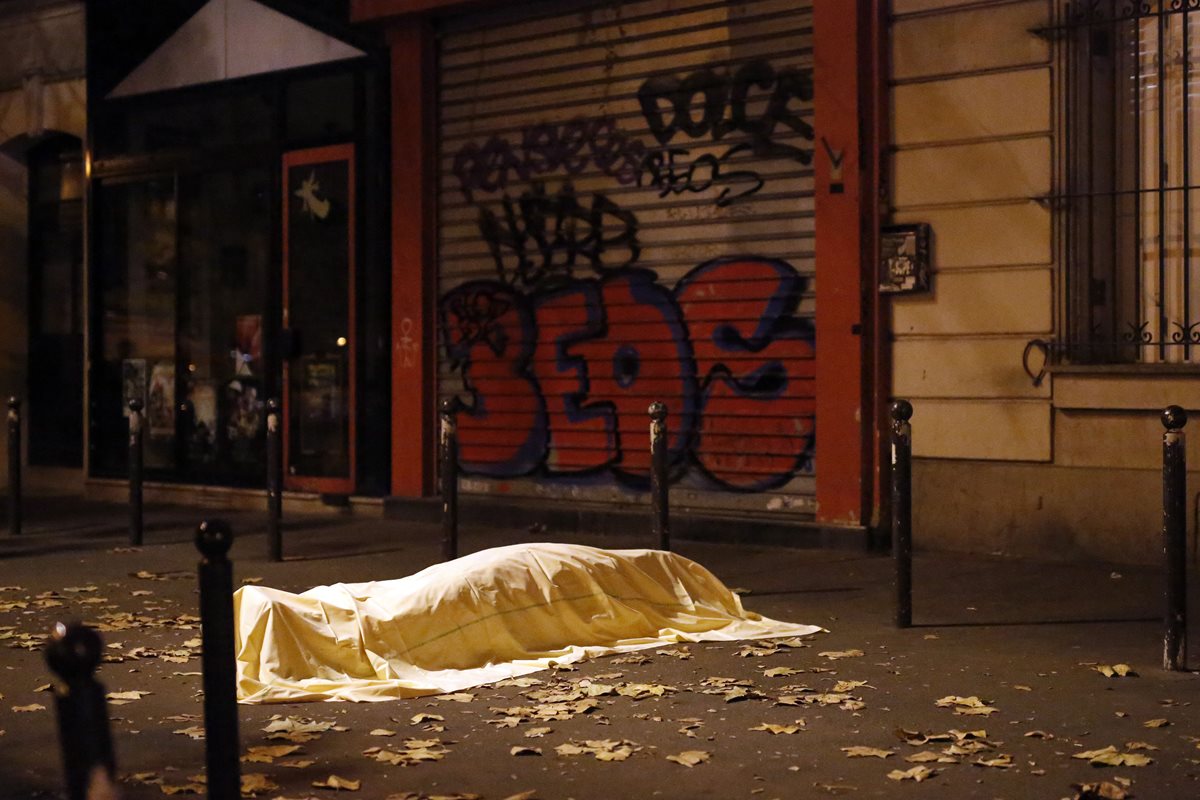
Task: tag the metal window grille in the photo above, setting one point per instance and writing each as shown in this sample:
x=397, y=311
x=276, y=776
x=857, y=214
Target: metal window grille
x=1128, y=79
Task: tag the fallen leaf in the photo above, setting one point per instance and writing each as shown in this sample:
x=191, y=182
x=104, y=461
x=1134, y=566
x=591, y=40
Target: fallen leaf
x=522, y=750
x=1110, y=757
x=858, y=751
x=1116, y=671
x=121, y=698
x=690, y=758
x=194, y=731
x=1039, y=735
x=417, y=719
x=334, y=782
x=266, y=754
x=537, y=733
x=966, y=706
x=781, y=672
x=1001, y=761
x=833, y=655
x=848, y=686
x=456, y=697
x=1156, y=723
x=382, y=732
x=917, y=773
x=1139, y=746
x=29, y=708
x=255, y=782
x=926, y=756
x=1102, y=790
x=777, y=729
x=182, y=788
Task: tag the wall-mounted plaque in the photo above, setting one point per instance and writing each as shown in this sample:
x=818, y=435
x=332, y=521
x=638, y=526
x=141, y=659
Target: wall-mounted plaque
x=904, y=257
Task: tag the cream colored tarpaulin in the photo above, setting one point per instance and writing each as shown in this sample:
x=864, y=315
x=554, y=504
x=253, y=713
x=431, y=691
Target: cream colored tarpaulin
x=481, y=618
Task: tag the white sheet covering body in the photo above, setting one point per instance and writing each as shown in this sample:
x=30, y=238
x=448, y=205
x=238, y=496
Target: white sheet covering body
x=481, y=618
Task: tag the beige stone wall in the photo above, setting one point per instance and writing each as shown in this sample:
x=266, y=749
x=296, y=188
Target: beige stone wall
x=1068, y=469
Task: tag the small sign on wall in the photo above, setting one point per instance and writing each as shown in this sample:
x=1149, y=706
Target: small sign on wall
x=904, y=258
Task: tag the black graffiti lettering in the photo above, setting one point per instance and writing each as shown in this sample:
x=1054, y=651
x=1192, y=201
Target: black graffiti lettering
x=541, y=238
x=540, y=143
x=751, y=180
x=576, y=134
x=668, y=101
x=652, y=95
x=545, y=148
x=661, y=171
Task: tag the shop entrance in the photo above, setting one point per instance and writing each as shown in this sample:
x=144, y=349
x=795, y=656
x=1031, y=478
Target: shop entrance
x=318, y=340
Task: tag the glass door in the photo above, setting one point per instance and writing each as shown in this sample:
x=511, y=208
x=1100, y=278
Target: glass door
x=318, y=319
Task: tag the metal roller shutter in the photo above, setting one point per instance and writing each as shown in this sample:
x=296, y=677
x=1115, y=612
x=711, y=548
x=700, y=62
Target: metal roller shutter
x=626, y=215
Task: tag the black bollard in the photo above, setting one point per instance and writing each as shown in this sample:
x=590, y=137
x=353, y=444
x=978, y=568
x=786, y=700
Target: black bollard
x=215, y=573
x=660, y=502
x=449, y=453
x=274, y=481
x=902, y=411
x=14, y=466
x=136, y=461
x=73, y=655
x=1174, y=539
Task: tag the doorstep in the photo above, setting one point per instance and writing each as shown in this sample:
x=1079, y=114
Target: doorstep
x=603, y=519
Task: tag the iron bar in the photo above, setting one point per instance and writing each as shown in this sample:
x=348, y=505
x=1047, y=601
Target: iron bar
x=660, y=501
x=73, y=654
x=215, y=574
x=274, y=481
x=901, y=412
x=1175, y=539
x=449, y=453
x=14, y=466
x=136, y=462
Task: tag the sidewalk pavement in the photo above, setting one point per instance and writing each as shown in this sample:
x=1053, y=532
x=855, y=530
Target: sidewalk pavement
x=1025, y=638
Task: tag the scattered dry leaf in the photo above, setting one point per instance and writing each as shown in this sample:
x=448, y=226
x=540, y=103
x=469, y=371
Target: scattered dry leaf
x=690, y=758
x=858, y=751
x=334, y=782
x=917, y=773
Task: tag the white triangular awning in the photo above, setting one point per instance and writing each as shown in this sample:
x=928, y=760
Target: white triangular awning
x=228, y=39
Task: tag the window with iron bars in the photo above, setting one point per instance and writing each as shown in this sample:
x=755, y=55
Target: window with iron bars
x=1128, y=80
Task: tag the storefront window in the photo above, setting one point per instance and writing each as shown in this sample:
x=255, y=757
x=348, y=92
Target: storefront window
x=183, y=277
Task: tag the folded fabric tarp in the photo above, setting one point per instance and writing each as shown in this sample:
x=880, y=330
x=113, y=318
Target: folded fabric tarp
x=481, y=618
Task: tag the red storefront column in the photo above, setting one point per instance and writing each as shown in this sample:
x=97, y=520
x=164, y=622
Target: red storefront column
x=846, y=224
x=410, y=40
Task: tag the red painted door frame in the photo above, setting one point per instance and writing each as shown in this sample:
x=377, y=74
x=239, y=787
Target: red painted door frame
x=845, y=78
x=850, y=363
x=414, y=256
x=347, y=484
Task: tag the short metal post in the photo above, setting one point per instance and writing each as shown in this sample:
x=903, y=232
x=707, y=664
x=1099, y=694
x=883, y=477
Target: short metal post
x=215, y=573
x=14, y=466
x=660, y=502
x=449, y=453
x=83, y=732
x=274, y=481
x=1174, y=539
x=901, y=411
x=136, y=461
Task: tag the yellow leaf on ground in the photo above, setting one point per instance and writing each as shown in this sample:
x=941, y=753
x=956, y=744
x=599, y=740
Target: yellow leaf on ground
x=690, y=758
x=833, y=655
x=917, y=774
x=1156, y=723
x=858, y=751
x=773, y=728
x=334, y=782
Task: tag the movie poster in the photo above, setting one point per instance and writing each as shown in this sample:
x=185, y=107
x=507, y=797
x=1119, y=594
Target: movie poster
x=248, y=344
x=244, y=419
x=203, y=399
x=160, y=403
x=322, y=410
